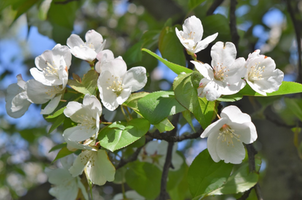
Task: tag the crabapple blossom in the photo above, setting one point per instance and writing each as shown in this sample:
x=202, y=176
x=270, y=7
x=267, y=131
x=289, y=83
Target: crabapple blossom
x=52, y=66
x=89, y=50
x=226, y=135
x=65, y=185
x=115, y=83
x=191, y=35
x=224, y=76
x=39, y=93
x=96, y=165
x=155, y=153
x=262, y=75
x=87, y=115
x=17, y=101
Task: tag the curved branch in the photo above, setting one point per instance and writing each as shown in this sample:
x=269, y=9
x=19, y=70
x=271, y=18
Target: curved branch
x=214, y=6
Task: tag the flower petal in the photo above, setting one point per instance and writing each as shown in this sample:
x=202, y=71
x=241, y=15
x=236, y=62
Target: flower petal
x=95, y=40
x=80, y=163
x=230, y=153
x=52, y=105
x=135, y=78
x=201, y=45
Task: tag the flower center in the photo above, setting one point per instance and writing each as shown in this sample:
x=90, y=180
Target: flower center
x=255, y=72
x=220, y=72
x=50, y=70
x=227, y=134
x=87, y=121
x=53, y=90
x=116, y=86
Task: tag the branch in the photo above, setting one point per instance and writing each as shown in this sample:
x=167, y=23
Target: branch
x=214, y=6
x=133, y=157
x=163, y=183
x=276, y=122
x=64, y=2
x=298, y=38
x=168, y=138
x=233, y=27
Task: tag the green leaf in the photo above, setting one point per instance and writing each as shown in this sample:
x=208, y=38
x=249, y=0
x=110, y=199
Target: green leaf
x=205, y=175
x=186, y=95
x=134, y=53
x=62, y=16
x=164, y=126
x=294, y=105
x=88, y=84
x=194, y=3
x=131, y=102
x=144, y=178
x=56, y=114
x=240, y=181
x=170, y=46
x=62, y=153
x=187, y=115
x=59, y=146
x=121, y=134
x=32, y=134
x=57, y=123
x=217, y=23
x=23, y=6
x=174, y=67
x=157, y=106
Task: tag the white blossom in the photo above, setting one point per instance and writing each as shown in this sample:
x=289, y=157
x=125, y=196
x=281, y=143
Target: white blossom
x=226, y=135
x=262, y=75
x=87, y=115
x=17, y=101
x=130, y=195
x=115, y=83
x=191, y=35
x=40, y=94
x=52, y=66
x=155, y=152
x=65, y=185
x=224, y=76
x=89, y=50
x=96, y=165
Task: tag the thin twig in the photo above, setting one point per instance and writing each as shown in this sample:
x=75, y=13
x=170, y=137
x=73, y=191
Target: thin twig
x=133, y=157
x=298, y=37
x=233, y=27
x=163, y=183
x=214, y=6
x=64, y=2
x=258, y=192
x=160, y=136
x=245, y=195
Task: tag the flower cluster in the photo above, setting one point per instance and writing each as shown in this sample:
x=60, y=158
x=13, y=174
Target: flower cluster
x=227, y=74
x=49, y=83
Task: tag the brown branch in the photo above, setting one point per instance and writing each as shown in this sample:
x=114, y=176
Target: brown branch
x=163, y=183
x=214, y=6
x=298, y=37
x=64, y=2
x=233, y=27
x=160, y=136
x=133, y=157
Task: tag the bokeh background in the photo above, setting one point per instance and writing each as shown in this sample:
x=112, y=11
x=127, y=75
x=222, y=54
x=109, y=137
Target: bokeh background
x=29, y=27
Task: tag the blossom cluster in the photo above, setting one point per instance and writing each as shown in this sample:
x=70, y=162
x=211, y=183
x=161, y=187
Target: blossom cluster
x=49, y=83
x=227, y=75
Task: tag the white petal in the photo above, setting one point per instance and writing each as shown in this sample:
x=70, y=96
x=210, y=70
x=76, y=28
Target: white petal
x=40, y=93
x=80, y=163
x=205, y=69
x=230, y=153
x=223, y=54
x=80, y=133
x=213, y=128
x=201, y=45
x=99, y=168
x=135, y=78
x=123, y=96
x=75, y=41
x=234, y=114
x=93, y=103
x=117, y=67
x=71, y=108
x=192, y=27
x=95, y=40
x=51, y=106
x=246, y=131
x=211, y=145
x=211, y=91
x=103, y=57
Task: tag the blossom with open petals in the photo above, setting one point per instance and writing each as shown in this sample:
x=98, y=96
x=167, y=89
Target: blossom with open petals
x=226, y=135
x=87, y=115
x=115, y=83
x=65, y=186
x=86, y=50
x=224, y=76
x=155, y=153
x=191, y=35
x=17, y=101
x=52, y=66
x=262, y=75
x=96, y=164
x=40, y=94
